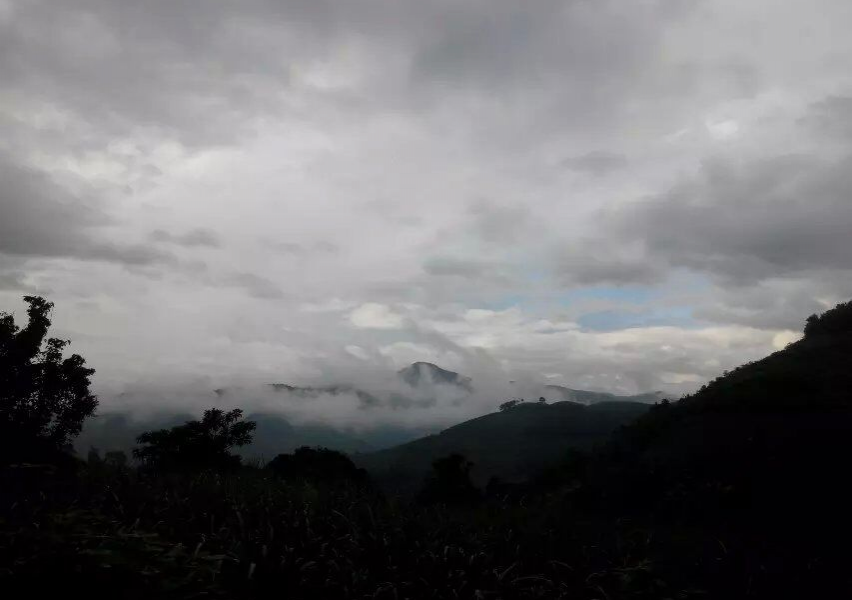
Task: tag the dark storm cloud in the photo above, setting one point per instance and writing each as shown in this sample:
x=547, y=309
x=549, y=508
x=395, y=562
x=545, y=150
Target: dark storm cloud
x=189, y=239
x=773, y=305
x=180, y=66
x=499, y=223
x=747, y=222
x=496, y=45
x=255, y=285
x=200, y=71
x=596, y=163
x=832, y=116
x=594, y=264
x=468, y=269
x=42, y=219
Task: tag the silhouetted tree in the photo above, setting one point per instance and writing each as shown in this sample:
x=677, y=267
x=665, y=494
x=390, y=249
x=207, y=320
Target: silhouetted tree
x=510, y=404
x=835, y=320
x=44, y=397
x=450, y=482
x=204, y=444
x=316, y=465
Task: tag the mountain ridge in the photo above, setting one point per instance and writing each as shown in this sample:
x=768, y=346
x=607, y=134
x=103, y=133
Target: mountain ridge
x=510, y=444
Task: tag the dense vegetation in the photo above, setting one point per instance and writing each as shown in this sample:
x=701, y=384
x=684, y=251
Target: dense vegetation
x=519, y=440
x=44, y=398
x=737, y=491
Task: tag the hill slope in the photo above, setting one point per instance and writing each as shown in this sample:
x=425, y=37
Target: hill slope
x=769, y=439
x=586, y=397
x=511, y=444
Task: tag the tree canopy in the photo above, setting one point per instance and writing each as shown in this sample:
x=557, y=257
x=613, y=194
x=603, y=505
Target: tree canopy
x=204, y=444
x=835, y=320
x=316, y=465
x=44, y=397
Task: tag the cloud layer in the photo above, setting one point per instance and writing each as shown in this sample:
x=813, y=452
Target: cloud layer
x=617, y=196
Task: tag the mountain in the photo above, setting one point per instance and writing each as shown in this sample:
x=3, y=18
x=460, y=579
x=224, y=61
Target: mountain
x=118, y=430
x=587, y=397
x=367, y=399
x=424, y=373
x=274, y=434
x=770, y=439
x=511, y=444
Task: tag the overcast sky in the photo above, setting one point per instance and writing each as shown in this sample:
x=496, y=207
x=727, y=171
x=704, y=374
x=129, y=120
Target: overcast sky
x=620, y=195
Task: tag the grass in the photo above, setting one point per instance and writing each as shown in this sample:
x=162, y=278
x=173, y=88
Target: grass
x=249, y=536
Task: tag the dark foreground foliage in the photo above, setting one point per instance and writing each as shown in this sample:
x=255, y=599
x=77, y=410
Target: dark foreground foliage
x=317, y=466
x=250, y=535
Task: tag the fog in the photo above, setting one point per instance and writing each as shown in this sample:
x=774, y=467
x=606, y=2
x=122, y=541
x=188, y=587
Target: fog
x=359, y=401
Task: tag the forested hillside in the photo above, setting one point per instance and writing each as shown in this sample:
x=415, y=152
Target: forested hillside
x=511, y=444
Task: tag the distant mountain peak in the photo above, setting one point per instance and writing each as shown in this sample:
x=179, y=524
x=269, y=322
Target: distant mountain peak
x=420, y=373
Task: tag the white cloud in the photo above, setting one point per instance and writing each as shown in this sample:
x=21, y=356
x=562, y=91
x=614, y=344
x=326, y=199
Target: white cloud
x=357, y=351
x=373, y=315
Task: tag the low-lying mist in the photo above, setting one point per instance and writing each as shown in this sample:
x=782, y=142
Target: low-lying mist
x=356, y=410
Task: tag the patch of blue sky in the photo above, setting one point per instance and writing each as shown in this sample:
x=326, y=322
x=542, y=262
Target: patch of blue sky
x=627, y=294
x=680, y=283
x=615, y=320
x=505, y=302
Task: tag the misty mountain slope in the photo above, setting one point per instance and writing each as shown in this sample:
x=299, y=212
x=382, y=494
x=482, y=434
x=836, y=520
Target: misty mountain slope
x=807, y=383
x=274, y=434
x=424, y=373
x=365, y=398
x=511, y=444
x=417, y=386
x=118, y=430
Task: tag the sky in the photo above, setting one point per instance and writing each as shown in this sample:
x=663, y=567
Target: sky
x=613, y=195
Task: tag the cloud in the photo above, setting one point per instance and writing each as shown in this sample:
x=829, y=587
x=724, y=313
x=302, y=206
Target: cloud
x=469, y=270
x=596, y=163
x=376, y=180
x=14, y=280
x=594, y=264
x=766, y=218
x=304, y=250
x=357, y=352
x=776, y=304
x=499, y=224
x=40, y=218
x=257, y=286
x=832, y=116
x=373, y=315
x=189, y=239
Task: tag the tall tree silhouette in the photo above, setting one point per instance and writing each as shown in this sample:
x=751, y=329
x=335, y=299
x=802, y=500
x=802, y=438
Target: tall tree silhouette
x=204, y=444
x=44, y=397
